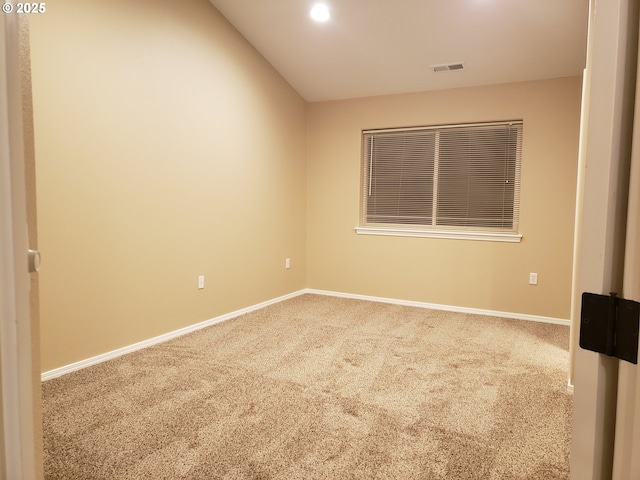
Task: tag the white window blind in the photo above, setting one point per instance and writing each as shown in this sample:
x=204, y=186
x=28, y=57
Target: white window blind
x=464, y=178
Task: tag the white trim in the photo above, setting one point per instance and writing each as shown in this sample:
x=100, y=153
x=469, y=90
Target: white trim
x=449, y=234
x=570, y=388
x=444, y=127
x=447, y=308
x=19, y=440
x=198, y=326
x=159, y=339
x=10, y=454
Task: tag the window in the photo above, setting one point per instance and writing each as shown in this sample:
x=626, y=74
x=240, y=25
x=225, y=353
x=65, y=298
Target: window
x=459, y=181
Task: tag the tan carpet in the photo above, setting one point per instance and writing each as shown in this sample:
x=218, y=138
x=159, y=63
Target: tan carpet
x=322, y=388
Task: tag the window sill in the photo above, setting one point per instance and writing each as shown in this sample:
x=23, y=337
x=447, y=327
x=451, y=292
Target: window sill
x=448, y=234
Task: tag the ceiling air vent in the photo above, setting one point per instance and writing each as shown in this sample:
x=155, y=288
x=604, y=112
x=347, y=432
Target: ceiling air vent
x=448, y=67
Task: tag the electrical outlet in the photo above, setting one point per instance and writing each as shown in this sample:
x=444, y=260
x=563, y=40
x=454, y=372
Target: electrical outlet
x=287, y=263
x=200, y=282
x=533, y=278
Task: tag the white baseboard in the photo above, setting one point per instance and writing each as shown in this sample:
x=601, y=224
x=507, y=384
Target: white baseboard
x=162, y=338
x=448, y=308
x=192, y=328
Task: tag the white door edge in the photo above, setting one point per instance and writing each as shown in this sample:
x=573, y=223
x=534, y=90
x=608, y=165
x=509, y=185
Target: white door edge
x=601, y=255
x=626, y=461
x=18, y=445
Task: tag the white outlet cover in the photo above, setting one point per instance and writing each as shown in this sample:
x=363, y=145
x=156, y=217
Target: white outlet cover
x=201, y=282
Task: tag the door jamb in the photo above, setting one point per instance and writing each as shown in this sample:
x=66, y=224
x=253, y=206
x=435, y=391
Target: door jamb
x=18, y=435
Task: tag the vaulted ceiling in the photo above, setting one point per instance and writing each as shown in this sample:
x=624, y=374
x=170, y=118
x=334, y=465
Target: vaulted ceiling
x=379, y=47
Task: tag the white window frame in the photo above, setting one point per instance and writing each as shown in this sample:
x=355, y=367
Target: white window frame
x=433, y=231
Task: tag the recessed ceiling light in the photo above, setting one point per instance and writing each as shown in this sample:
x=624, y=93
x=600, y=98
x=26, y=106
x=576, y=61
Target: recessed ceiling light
x=320, y=12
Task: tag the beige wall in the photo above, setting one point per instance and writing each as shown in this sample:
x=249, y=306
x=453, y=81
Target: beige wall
x=485, y=275
x=166, y=148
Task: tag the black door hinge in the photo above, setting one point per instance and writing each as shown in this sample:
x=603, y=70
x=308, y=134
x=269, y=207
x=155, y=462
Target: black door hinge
x=609, y=325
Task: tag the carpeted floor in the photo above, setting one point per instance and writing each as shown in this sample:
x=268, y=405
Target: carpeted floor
x=322, y=388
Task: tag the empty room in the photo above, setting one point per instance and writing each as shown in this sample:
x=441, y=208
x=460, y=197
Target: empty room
x=292, y=239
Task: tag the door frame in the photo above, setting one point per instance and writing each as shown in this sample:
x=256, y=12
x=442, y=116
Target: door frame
x=17, y=392
x=626, y=462
x=611, y=70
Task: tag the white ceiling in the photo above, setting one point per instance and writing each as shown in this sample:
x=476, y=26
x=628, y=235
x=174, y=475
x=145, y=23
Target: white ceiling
x=379, y=47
